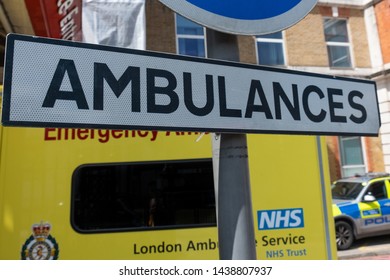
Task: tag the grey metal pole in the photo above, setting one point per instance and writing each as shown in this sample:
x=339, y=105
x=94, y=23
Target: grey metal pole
x=236, y=236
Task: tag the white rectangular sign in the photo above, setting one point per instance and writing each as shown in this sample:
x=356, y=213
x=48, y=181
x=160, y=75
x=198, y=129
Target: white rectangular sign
x=54, y=83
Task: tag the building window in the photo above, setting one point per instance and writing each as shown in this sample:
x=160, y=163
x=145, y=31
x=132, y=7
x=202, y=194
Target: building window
x=270, y=49
x=337, y=42
x=352, y=156
x=143, y=196
x=190, y=37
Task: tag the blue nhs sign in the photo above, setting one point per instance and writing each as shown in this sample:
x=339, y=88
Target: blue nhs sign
x=280, y=219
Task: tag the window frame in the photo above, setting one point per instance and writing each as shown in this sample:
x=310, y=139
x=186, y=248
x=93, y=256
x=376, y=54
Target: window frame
x=282, y=41
x=190, y=36
x=345, y=167
x=347, y=45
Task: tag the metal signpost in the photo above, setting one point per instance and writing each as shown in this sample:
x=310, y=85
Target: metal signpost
x=236, y=236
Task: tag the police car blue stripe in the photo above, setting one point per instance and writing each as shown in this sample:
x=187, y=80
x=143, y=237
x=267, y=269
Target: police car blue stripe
x=352, y=210
x=385, y=206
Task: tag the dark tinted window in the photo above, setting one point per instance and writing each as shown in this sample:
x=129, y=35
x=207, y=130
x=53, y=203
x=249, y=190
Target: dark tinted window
x=143, y=195
x=378, y=190
x=346, y=190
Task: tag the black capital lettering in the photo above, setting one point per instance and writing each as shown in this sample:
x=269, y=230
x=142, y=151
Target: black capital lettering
x=279, y=94
x=189, y=98
x=55, y=93
x=351, y=96
x=251, y=107
x=333, y=105
x=223, y=110
x=103, y=73
x=305, y=102
x=168, y=90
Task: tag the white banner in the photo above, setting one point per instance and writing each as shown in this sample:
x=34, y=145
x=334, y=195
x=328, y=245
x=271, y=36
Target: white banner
x=119, y=23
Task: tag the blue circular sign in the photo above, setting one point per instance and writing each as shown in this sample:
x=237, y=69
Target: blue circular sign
x=249, y=17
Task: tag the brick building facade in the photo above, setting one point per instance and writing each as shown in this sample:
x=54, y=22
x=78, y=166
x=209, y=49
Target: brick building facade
x=382, y=74
x=306, y=49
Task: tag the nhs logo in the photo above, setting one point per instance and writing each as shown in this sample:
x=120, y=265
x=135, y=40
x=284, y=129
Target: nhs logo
x=280, y=218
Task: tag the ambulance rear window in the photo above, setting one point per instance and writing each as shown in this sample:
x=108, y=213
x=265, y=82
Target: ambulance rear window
x=142, y=196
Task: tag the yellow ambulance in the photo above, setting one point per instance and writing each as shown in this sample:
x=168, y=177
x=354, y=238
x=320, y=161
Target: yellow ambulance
x=118, y=194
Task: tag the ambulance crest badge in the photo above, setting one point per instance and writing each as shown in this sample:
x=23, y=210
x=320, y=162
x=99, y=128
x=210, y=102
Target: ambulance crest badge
x=40, y=245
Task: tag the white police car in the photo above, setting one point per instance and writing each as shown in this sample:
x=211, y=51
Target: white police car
x=361, y=208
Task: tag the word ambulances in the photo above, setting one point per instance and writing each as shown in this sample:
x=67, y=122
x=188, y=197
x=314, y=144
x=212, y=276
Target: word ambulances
x=84, y=85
